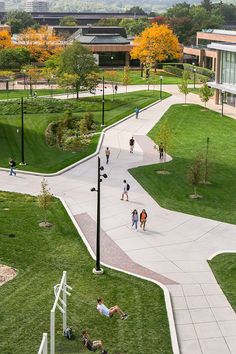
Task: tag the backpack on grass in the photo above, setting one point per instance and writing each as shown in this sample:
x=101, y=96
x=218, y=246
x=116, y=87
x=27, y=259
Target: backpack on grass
x=68, y=333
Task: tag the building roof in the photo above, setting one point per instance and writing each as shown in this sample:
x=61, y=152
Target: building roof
x=228, y=47
x=102, y=39
x=220, y=31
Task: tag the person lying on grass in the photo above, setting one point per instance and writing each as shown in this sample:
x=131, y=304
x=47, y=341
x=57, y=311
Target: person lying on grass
x=109, y=312
x=92, y=345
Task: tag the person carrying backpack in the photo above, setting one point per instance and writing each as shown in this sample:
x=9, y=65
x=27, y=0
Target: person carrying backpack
x=12, y=164
x=92, y=345
x=126, y=188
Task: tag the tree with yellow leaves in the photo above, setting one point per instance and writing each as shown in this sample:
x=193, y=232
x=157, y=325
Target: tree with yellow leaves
x=5, y=39
x=155, y=44
x=41, y=43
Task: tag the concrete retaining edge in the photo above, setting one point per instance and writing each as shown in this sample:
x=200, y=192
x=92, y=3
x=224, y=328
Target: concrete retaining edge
x=218, y=253
x=173, y=334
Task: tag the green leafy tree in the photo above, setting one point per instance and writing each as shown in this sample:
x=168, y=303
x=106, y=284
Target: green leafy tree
x=195, y=174
x=19, y=20
x=136, y=10
x=205, y=93
x=68, y=21
x=45, y=199
x=67, y=81
x=79, y=61
x=109, y=22
x=183, y=88
x=14, y=58
x=134, y=27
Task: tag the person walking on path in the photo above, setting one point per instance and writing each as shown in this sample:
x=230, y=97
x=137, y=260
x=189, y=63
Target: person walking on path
x=131, y=144
x=107, y=153
x=109, y=312
x=135, y=219
x=137, y=110
x=126, y=188
x=143, y=219
x=116, y=88
x=12, y=164
x=92, y=345
x=161, y=151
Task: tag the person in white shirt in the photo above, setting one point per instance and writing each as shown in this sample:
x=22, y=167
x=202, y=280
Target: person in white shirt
x=109, y=312
x=125, y=190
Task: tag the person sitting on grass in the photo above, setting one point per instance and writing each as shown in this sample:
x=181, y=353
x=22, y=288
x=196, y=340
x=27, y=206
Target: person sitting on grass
x=92, y=345
x=111, y=311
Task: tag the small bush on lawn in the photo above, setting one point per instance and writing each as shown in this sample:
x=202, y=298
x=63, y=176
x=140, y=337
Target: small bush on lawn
x=71, y=132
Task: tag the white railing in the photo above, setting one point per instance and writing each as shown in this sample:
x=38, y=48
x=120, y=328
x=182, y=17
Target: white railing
x=61, y=304
x=43, y=349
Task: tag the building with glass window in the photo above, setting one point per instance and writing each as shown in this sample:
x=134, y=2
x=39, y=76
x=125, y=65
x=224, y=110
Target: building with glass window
x=225, y=78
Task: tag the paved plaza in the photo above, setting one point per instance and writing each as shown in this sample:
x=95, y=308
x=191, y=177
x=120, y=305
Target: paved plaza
x=175, y=247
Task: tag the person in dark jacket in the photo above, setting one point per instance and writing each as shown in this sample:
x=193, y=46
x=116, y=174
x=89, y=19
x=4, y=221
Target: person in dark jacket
x=92, y=345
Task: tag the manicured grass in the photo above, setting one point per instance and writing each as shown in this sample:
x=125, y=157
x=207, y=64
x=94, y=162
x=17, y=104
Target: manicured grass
x=136, y=79
x=40, y=256
x=191, y=125
x=42, y=158
x=25, y=93
x=224, y=269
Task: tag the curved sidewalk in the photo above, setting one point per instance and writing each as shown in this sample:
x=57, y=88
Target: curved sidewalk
x=175, y=245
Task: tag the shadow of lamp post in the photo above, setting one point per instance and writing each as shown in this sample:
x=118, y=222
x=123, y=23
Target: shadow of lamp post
x=98, y=270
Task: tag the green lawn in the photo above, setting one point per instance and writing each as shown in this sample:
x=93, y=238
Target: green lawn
x=224, y=269
x=136, y=79
x=39, y=156
x=40, y=256
x=191, y=126
x=25, y=93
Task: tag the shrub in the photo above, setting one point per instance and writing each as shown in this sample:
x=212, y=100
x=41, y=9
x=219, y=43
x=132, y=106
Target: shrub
x=51, y=133
x=199, y=70
x=173, y=70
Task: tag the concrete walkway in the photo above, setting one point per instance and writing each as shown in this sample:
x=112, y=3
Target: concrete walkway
x=175, y=247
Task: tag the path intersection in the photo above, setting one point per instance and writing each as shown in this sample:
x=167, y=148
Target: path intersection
x=174, y=249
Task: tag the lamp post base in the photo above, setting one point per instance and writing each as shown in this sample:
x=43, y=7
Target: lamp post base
x=22, y=163
x=98, y=271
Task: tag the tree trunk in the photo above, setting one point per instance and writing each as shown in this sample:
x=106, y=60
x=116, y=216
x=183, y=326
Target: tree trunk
x=141, y=70
x=185, y=99
x=195, y=190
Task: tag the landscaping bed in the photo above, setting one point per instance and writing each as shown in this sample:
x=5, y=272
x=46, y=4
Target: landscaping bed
x=39, y=156
x=40, y=255
x=191, y=125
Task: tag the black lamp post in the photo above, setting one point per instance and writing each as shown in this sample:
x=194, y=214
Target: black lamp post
x=52, y=77
x=22, y=132
x=98, y=270
x=222, y=102
x=103, y=103
x=161, y=78
x=194, y=77
x=24, y=79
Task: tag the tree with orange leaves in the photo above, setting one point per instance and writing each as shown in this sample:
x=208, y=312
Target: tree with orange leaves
x=5, y=39
x=41, y=43
x=155, y=44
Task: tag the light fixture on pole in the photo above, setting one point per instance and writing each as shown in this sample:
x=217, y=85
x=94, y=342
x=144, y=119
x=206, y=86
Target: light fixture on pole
x=103, y=103
x=52, y=77
x=98, y=270
x=222, y=102
x=22, y=133
x=194, y=77
x=24, y=79
x=161, y=78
